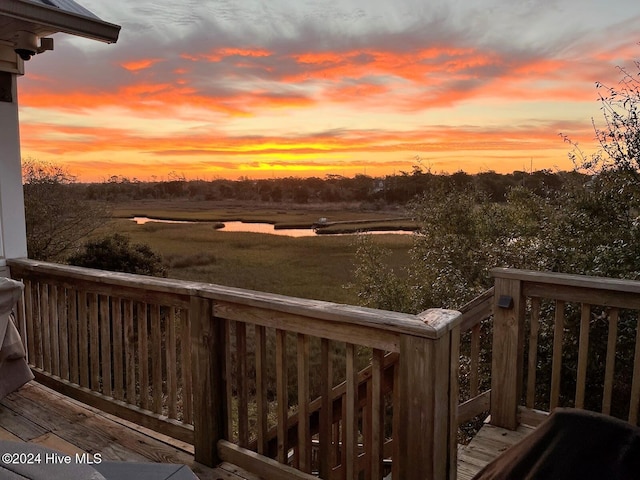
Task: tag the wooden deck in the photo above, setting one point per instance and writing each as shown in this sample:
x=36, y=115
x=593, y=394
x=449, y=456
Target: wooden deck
x=489, y=443
x=38, y=415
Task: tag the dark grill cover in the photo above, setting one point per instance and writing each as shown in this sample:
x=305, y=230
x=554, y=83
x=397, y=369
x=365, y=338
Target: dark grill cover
x=572, y=445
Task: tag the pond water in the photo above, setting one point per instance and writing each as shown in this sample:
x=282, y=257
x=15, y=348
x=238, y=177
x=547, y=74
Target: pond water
x=260, y=228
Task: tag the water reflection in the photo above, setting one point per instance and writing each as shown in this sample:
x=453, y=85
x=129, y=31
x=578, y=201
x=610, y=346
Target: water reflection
x=263, y=228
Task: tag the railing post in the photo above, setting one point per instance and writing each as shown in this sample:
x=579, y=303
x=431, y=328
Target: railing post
x=508, y=352
x=425, y=389
x=208, y=367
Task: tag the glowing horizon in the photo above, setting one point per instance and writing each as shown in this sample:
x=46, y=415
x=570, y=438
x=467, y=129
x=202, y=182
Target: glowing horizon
x=226, y=91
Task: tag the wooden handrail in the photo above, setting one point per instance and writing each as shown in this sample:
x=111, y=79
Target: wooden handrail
x=568, y=280
x=388, y=321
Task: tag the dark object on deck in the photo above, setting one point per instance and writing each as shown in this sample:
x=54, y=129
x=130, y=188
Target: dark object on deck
x=572, y=445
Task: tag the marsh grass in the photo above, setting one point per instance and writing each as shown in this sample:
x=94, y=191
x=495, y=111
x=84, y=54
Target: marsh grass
x=307, y=267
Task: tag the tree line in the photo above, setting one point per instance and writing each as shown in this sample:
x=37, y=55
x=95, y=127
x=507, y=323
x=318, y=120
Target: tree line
x=378, y=191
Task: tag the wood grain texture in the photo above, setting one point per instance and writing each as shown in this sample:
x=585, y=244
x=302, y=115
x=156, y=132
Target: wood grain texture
x=171, y=361
x=208, y=366
x=304, y=433
x=424, y=408
x=264, y=466
x=327, y=451
x=262, y=404
x=609, y=370
x=70, y=427
x=583, y=355
x=156, y=357
x=282, y=394
x=507, y=357
x=129, y=351
x=187, y=374
x=94, y=342
x=242, y=384
x=532, y=360
x=351, y=415
x=143, y=354
x=118, y=348
x=105, y=344
x=73, y=325
x=556, y=367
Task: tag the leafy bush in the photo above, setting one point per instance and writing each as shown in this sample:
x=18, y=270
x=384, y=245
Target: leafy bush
x=117, y=254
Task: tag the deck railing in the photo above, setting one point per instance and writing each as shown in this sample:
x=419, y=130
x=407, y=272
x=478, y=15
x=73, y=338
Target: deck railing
x=289, y=387
x=282, y=386
x=564, y=340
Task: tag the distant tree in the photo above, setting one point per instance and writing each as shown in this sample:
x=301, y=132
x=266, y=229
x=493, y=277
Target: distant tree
x=58, y=218
x=116, y=253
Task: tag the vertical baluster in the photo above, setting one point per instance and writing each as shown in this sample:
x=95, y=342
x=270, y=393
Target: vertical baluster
x=583, y=354
x=474, y=372
x=118, y=354
x=73, y=322
x=83, y=338
x=94, y=334
x=261, y=388
x=327, y=453
x=30, y=314
x=229, y=376
x=54, y=333
x=156, y=355
x=395, y=423
x=377, y=415
x=532, y=361
x=304, y=434
x=105, y=344
x=367, y=432
x=635, y=385
x=63, y=328
x=38, y=325
x=171, y=362
x=45, y=322
x=282, y=394
x=611, y=361
x=556, y=369
x=63, y=333
x=454, y=396
x=187, y=378
x=336, y=451
x=343, y=436
x=143, y=355
x=351, y=418
x=243, y=394
x=130, y=352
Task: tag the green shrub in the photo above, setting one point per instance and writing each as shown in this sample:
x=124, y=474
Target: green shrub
x=117, y=254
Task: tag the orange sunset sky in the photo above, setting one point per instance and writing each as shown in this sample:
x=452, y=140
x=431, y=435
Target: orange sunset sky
x=228, y=88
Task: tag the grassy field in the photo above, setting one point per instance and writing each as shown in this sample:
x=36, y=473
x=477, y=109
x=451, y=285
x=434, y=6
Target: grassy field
x=310, y=267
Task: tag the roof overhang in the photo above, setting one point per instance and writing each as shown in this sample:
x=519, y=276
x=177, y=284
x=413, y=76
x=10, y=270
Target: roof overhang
x=43, y=20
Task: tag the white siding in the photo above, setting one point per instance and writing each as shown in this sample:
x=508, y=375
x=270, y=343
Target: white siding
x=13, y=237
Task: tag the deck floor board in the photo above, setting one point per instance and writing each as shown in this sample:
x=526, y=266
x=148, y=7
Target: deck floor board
x=488, y=443
x=38, y=415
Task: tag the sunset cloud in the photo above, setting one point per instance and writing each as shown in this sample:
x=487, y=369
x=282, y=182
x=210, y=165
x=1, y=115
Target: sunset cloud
x=290, y=85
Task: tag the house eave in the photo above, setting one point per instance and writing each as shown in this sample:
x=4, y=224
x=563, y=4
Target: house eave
x=60, y=21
